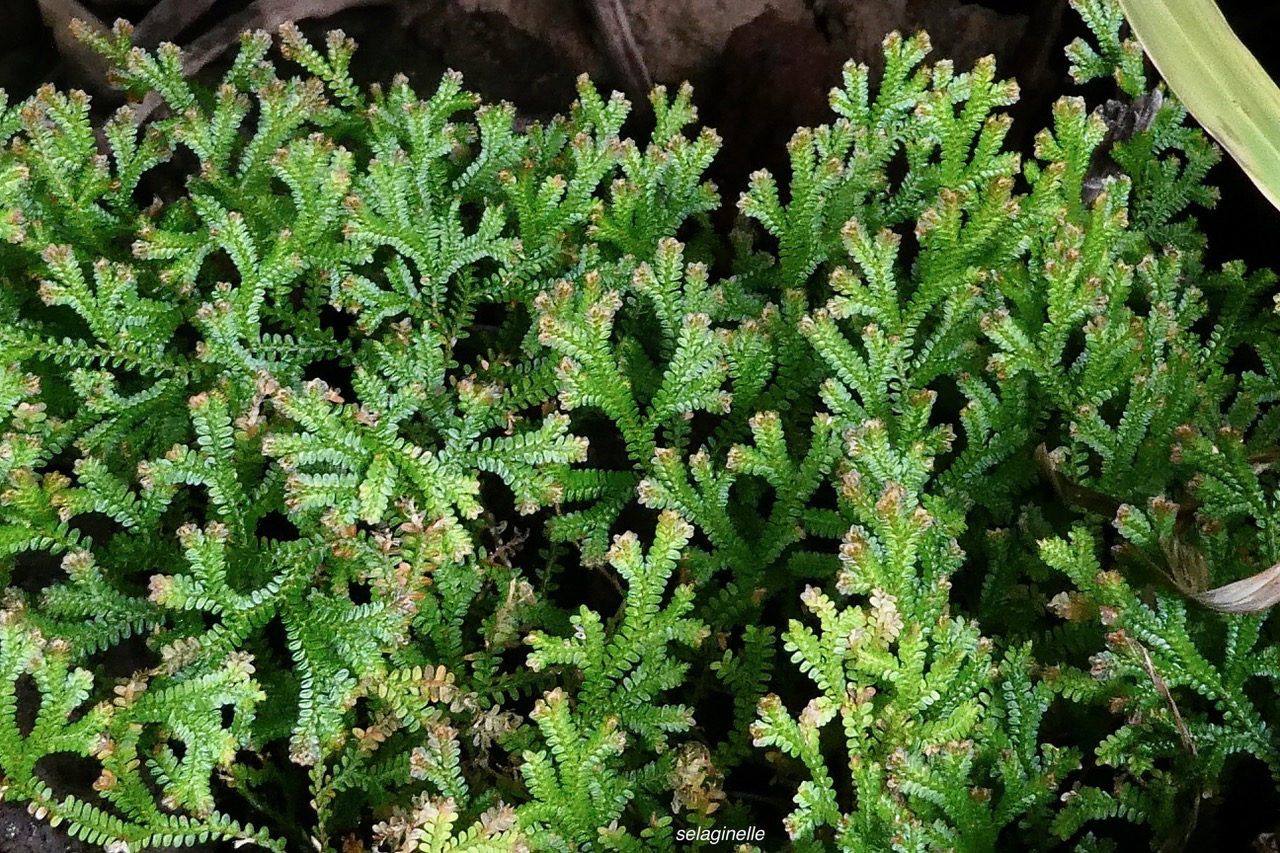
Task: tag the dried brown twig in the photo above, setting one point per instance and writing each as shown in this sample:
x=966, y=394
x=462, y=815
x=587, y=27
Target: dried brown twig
x=262, y=15
x=1184, y=735
x=87, y=64
x=614, y=25
x=1185, y=564
x=266, y=15
x=168, y=19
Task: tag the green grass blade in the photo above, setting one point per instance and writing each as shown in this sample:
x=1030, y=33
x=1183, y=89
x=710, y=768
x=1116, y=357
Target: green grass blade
x=1217, y=78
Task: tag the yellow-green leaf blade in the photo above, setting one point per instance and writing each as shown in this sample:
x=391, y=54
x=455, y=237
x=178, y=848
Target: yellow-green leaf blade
x=1217, y=78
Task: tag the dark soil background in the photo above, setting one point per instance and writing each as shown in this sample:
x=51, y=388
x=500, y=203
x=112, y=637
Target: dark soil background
x=760, y=69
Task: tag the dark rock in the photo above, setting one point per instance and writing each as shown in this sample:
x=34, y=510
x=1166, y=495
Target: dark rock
x=22, y=833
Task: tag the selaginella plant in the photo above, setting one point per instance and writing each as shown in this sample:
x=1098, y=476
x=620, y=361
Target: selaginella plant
x=382, y=476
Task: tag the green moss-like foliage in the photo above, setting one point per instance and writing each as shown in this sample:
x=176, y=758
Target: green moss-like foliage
x=438, y=495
